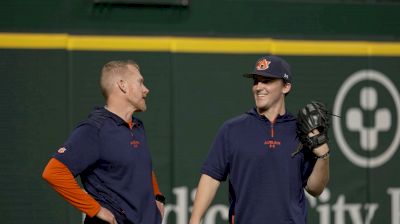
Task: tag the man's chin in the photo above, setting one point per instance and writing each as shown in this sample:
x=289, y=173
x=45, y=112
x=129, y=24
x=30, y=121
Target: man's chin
x=261, y=105
x=143, y=109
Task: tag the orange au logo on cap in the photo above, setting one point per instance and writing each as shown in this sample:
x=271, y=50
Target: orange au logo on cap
x=263, y=64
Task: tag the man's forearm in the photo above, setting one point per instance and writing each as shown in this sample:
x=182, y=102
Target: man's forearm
x=62, y=181
x=320, y=175
x=206, y=191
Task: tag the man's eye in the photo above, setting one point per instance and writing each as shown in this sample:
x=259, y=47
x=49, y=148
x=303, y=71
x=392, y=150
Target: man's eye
x=264, y=81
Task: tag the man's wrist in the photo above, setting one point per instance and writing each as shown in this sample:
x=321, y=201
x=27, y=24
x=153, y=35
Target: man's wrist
x=324, y=156
x=321, y=150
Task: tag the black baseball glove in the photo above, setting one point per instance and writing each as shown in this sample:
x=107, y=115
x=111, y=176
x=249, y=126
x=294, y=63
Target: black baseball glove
x=313, y=116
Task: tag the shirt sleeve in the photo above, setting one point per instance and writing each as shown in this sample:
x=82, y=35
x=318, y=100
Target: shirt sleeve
x=62, y=181
x=217, y=162
x=156, y=188
x=81, y=149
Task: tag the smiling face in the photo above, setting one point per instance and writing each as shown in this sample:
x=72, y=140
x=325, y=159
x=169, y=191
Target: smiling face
x=269, y=93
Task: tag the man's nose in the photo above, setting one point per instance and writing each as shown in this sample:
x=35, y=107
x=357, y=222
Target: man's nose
x=146, y=90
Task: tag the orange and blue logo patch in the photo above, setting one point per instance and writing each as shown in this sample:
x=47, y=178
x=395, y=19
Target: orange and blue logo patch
x=61, y=150
x=263, y=64
x=135, y=143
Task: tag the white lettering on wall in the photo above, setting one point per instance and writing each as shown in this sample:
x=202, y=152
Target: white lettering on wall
x=181, y=209
x=395, y=204
x=328, y=209
x=340, y=208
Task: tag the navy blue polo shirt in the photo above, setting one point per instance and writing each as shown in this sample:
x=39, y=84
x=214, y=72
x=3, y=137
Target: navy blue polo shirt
x=114, y=164
x=265, y=182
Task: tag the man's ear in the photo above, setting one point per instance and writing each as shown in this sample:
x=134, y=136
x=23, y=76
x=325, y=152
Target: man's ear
x=122, y=85
x=287, y=87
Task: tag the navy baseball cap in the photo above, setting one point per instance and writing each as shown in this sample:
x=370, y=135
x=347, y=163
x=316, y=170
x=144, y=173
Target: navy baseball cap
x=272, y=67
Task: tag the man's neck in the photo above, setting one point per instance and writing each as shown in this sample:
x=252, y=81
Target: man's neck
x=273, y=112
x=123, y=112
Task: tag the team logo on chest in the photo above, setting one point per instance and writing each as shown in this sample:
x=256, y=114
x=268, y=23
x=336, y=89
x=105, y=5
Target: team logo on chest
x=135, y=143
x=272, y=144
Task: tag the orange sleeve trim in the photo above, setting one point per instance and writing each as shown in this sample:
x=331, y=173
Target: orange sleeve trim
x=61, y=179
x=156, y=189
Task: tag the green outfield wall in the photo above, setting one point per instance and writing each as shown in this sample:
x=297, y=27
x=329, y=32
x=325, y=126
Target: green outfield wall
x=346, y=54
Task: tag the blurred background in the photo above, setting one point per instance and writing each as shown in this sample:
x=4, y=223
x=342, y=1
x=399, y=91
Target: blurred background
x=345, y=53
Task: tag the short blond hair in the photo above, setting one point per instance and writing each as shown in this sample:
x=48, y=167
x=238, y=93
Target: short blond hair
x=112, y=70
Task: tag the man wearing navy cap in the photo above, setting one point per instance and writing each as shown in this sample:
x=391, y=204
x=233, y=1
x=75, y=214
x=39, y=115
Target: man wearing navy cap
x=256, y=152
x=109, y=152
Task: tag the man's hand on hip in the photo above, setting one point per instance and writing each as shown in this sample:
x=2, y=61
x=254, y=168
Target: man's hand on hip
x=106, y=215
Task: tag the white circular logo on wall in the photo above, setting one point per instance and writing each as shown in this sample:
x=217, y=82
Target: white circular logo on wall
x=353, y=119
